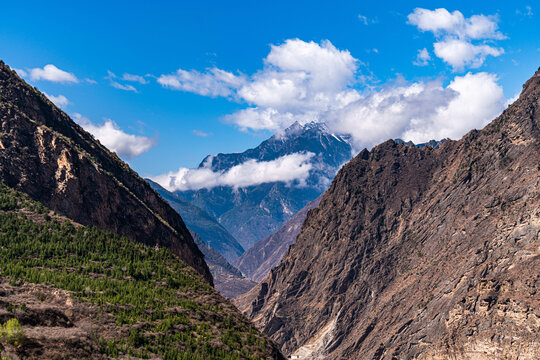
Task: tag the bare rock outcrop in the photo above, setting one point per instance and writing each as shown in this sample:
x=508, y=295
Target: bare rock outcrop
x=419, y=253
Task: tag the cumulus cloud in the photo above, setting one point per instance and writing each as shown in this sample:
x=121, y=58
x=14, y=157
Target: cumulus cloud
x=455, y=35
x=421, y=111
x=299, y=80
x=111, y=136
x=60, y=100
x=422, y=58
x=289, y=168
x=460, y=53
x=52, y=73
x=306, y=81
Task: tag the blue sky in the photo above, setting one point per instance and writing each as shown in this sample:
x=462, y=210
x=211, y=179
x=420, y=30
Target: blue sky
x=372, y=47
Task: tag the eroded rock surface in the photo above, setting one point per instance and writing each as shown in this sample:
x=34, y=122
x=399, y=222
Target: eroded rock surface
x=420, y=253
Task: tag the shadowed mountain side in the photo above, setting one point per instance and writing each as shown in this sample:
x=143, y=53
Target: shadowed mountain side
x=51, y=158
x=228, y=280
x=203, y=224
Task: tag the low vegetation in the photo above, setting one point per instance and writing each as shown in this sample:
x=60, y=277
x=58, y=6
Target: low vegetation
x=163, y=305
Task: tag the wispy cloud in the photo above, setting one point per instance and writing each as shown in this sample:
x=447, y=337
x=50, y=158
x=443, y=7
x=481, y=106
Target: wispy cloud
x=214, y=82
x=201, y=133
x=52, y=73
x=115, y=84
x=422, y=58
x=136, y=78
x=125, y=87
x=525, y=12
x=367, y=21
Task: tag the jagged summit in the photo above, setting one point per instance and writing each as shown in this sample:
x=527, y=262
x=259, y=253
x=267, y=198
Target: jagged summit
x=254, y=212
x=311, y=137
x=419, y=252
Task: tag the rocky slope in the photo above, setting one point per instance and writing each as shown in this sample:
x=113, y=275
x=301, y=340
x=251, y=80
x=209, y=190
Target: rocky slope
x=419, y=253
x=267, y=253
x=199, y=221
x=46, y=155
x=83, y=293
x=255, y=212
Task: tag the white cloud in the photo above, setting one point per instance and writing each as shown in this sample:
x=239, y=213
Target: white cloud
x=90, y=81
x=442, y=22
x=366, y=21
x=201, y=133
x=115, y=84
x=421, y=111
x=20, y=72
x=422, y=58
x=479, y=99
x=52, y=73
x=60, y=100
x=527, y=12
x=288, y=168
x=460, y=54
x=306, y=81
x=455, y=35
x=137, y=78
x=126, y=87
x=215, y=82
x=111, y=136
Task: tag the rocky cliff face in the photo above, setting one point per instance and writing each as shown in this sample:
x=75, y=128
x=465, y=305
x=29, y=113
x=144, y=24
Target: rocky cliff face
x=254, y=212
x=46, y=155
x=419, y=253
x=267, y=253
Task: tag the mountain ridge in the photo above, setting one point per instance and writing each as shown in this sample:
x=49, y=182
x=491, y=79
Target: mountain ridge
x=46, y=155
x=419, y=253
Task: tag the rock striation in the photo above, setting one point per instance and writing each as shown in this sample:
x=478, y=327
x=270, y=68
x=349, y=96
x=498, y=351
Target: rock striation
x=419, y=253
x=267, y=253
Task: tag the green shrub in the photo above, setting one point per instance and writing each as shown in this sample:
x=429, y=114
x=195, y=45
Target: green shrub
x=12, y=332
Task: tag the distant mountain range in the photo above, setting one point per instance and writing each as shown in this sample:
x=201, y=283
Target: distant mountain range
x=254, y=212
